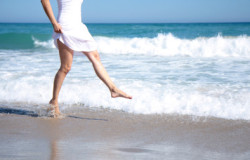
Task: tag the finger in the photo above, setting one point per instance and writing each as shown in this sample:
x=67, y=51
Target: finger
x=58, y=31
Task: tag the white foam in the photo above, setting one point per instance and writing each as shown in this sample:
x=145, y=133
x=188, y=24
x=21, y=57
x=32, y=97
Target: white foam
x=45, y=44
x=169, y=45
x=148, y=98
x=157, y=85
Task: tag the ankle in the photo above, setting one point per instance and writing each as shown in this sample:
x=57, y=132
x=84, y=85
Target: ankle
x=53, y=102
x=113, y=89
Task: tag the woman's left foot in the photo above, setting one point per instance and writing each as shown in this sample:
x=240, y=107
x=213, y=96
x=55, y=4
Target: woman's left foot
x=119, y=93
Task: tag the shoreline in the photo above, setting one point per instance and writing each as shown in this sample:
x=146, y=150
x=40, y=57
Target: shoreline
x=109, y=134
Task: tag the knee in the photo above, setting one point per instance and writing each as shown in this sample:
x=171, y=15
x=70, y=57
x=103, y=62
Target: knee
x=65, y=69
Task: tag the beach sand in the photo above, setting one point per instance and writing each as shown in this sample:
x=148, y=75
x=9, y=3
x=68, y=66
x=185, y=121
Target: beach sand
x=111, y=134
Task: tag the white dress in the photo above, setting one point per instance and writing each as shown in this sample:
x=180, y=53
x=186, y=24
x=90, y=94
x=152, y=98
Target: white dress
x=74, y=34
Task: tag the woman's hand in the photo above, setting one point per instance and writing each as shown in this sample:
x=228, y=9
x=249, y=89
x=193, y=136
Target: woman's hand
x=57, y=28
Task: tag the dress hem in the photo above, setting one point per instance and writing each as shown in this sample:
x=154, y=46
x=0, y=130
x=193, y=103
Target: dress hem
x=59, y=36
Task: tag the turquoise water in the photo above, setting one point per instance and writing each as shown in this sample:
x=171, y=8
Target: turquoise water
x=186, y=69
x=19, y=36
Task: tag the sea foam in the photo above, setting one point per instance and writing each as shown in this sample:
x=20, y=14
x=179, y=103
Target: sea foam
x=169, y=45
x=162, y=84
x=148, y=98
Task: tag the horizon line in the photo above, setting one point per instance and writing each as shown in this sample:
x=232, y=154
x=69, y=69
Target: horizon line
x=132, y=22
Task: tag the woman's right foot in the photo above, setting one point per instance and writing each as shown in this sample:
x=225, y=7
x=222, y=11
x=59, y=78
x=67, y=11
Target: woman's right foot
x=119, y=93
x=54, y=109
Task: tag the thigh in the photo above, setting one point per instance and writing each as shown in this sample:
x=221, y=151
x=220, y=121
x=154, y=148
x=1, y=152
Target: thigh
x=66, y=54
x=92, y=55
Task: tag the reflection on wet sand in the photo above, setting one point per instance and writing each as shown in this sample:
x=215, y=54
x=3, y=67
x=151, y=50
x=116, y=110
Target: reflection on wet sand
x=54, y=151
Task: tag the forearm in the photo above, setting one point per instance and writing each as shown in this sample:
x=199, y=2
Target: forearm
x=48, y=10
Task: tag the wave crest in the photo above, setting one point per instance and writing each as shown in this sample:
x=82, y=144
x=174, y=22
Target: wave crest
x=169, y=45
x=45, y=44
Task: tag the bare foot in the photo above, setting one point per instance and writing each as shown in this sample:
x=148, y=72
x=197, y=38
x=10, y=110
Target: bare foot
x=118, y=93
x=53, y=110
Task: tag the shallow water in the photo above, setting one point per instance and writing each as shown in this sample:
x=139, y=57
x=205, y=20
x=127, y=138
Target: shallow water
x=183, y=69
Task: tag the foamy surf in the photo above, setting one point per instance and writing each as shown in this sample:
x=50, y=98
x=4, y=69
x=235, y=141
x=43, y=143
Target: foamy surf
x=166, y=69
x=190, y=85
x=169, y=45
x=148, y=98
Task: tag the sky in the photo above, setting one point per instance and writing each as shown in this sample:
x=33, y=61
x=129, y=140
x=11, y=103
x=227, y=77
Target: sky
x=134, y=11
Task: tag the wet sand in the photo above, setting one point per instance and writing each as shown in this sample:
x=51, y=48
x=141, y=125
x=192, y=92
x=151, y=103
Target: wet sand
x=110, y=134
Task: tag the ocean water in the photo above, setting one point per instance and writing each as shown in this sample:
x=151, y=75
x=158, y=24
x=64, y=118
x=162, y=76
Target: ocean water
x=175, y=69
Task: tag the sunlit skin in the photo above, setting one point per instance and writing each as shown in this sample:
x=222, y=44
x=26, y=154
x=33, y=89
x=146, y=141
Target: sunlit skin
x=66, y=58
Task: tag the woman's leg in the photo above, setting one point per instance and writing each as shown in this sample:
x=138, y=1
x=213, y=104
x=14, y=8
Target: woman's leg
x=103, y=75
x=66, y=58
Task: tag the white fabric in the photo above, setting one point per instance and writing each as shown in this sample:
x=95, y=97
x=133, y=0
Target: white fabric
x=75, y=34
